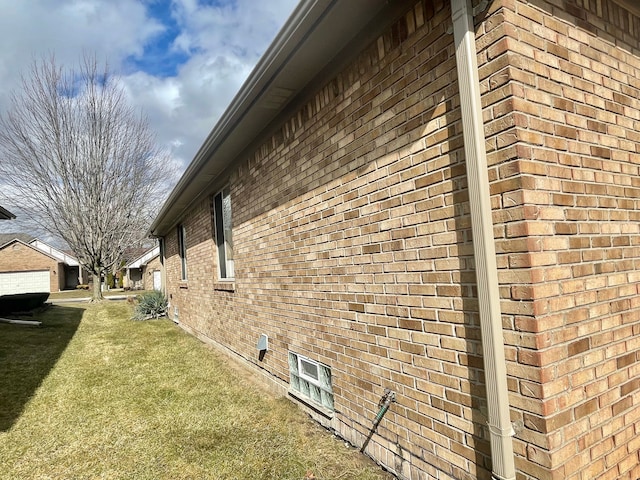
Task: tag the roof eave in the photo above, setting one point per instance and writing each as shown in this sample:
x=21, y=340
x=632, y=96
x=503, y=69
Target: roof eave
x=6, y=214
x=312, y=36
x=145, y=258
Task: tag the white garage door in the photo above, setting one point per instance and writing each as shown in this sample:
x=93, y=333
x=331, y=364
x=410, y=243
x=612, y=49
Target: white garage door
x=24, y=282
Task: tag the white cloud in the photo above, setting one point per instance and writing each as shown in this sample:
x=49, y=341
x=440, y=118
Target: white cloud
x=219, y=43
x=223, y=41
x=37, y=28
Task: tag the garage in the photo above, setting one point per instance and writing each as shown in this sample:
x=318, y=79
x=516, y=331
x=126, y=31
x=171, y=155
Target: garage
x=12, y=283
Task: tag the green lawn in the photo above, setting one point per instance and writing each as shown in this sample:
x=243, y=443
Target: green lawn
x=94, y=395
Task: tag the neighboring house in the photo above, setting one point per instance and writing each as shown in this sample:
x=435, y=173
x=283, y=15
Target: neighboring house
x=145, y=272
x=404, y=197
x=74, y=274
x=28, y=265
x=6, y=214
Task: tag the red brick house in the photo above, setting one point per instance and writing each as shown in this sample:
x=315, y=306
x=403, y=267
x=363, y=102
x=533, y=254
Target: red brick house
x=442, y=200
x=28, y=265
x=144, y=272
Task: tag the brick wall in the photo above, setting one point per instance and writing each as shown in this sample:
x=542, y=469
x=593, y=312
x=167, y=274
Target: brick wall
x=147, y=275
x=18, y=257
x=352, y=243
x=562, y=116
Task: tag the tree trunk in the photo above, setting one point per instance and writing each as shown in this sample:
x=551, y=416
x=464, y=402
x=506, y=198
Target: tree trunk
x=82, y=164
x=97, y=289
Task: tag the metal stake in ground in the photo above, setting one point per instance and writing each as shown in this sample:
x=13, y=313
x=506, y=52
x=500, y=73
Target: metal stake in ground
x=385, y=402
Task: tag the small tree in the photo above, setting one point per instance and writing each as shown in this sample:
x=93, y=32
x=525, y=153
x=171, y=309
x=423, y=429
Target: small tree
x=82, y=162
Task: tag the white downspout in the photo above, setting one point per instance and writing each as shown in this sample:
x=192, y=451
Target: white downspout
x=499, y=421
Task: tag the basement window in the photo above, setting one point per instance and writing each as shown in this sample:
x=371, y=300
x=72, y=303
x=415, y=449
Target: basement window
x=311, y=379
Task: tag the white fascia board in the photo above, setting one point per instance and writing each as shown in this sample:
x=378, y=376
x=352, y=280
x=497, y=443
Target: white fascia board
x=144, y=259
x=55, y=253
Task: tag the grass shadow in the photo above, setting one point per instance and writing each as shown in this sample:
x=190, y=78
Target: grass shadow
x=27, y=355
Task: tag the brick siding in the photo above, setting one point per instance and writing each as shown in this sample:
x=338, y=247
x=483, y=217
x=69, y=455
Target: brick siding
x=352, y=243
x=18, y=257
x=147, y=273
x=567, y=187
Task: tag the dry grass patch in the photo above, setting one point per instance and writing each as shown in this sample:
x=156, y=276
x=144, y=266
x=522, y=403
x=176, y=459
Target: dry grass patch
x=92, y=394
x=86, y=294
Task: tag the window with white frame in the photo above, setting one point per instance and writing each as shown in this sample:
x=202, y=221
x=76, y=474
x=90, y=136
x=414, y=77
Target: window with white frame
x=182, y=251
x=224, y=233
x=311, y=379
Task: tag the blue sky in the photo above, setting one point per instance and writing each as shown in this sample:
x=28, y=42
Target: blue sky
x=181, y=61
x=158, y=58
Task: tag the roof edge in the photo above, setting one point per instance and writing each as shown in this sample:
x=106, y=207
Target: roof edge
x=6, y=214
x=32, y=247
x=299, y=23
x=145, y=258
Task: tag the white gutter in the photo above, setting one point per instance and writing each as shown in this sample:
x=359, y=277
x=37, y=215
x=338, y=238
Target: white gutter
x=499, y=421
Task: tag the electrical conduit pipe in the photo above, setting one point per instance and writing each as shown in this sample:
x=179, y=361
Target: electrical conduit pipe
x=499, y=421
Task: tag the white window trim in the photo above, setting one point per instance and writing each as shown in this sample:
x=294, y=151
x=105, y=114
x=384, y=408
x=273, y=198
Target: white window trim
x=182, y=252
x=327, y=411
x=308, y=378
x=229, y=263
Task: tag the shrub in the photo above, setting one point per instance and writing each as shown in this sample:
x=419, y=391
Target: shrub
x=150, y=305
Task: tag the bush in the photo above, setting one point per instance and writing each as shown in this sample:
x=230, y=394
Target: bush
x=150, y=305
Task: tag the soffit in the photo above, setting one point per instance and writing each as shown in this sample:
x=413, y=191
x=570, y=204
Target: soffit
x=6, y=214
x=632, y=5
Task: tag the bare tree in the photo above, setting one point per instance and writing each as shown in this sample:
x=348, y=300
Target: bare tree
x=83, y=163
